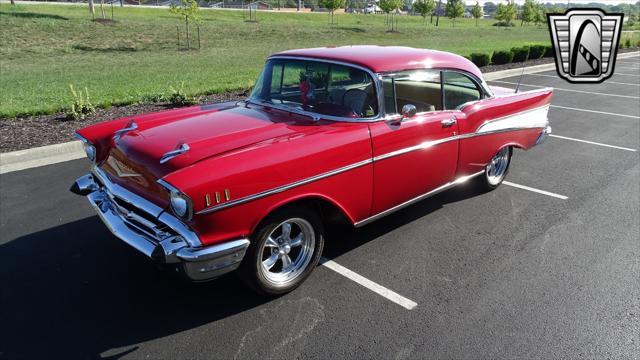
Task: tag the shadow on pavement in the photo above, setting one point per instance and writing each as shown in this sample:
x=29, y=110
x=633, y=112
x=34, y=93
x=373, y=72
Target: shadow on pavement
x=74, y=291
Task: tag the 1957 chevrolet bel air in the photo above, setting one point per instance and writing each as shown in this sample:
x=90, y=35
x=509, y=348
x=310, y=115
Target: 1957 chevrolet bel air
x=352, y=133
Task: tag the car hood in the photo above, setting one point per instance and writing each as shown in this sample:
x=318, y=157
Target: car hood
x=206, y=135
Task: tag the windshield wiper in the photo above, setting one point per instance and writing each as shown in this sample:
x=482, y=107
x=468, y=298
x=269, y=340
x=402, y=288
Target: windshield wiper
x=285, y=108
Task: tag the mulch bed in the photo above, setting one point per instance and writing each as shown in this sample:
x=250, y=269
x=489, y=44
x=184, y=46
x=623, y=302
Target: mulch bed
x=27, y=132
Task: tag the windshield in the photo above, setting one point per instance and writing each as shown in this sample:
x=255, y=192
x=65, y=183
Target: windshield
x=318, y=87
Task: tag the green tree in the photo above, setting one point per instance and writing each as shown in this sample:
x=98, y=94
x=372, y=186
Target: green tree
x=541, y=15
x=506, y=13
x=190, y=11
x=390, y=7
x=477, y=12
x=332, y=6
x=424, y=7
x=454, y=9
x=529, y=11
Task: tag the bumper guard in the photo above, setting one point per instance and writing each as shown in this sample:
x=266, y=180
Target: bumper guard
x=156, y=233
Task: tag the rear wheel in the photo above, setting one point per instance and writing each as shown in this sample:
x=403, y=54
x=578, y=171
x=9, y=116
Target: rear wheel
x=284, y=251
x=496, y=170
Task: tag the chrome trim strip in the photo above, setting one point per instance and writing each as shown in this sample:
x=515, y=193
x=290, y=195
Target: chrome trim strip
x=544, y=107
x=191, y=254
x=283, y=188
x=421, y=146
x=433, y=192
x=183, y=148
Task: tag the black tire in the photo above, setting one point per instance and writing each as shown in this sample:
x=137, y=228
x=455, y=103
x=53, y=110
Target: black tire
x=258, y=278
x=486, y=182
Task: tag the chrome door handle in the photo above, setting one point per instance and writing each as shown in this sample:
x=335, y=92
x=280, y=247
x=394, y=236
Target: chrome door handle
x=448, y=122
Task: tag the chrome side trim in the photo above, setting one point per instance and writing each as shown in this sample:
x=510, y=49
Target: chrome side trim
x=421, y=146
x=284, y=187
x=433, y=192
x=183, y=148
x=523, y=123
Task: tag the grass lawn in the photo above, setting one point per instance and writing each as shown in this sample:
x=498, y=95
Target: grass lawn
x=45, y=48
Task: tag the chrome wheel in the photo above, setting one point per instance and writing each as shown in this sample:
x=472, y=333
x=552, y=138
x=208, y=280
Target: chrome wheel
x=497, y=168
x=287, y=251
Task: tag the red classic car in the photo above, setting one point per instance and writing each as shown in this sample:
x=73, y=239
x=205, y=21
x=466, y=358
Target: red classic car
x=352, y=133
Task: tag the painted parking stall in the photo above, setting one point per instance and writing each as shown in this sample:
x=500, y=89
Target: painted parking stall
x=519, y=270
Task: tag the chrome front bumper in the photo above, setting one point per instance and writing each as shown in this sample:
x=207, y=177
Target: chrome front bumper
x=155, y=232
x=543, y=135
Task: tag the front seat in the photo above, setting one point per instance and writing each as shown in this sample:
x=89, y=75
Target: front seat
x=355, y=100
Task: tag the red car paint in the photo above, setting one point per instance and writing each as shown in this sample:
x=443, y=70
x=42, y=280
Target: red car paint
x=245, y=149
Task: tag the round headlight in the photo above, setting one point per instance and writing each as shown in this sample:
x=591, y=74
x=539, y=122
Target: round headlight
x=90, y=150
x=180, y=205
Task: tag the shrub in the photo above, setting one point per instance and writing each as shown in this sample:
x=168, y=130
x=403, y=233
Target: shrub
x=520, y=54
x=502, y=57
x=504, y=24
x=80, y=106
x=480, y=59
x=548, y=51
x=536, y=51
x=178, y=97
x=627, y=43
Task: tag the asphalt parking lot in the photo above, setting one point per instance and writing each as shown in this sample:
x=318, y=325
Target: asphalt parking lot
x=547, y=271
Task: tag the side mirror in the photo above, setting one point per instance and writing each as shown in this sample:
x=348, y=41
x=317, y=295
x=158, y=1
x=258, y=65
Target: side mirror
x=409, y=111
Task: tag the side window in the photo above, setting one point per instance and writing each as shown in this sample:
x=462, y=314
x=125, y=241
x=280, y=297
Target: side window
x=458, y=90
x=420, y=88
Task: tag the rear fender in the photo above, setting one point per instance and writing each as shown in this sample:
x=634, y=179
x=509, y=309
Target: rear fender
x=491, y=124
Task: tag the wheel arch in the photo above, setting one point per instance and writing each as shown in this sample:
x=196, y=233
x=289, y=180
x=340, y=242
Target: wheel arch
x=329, y=210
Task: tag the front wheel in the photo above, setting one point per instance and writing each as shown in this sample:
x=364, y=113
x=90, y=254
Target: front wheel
x=496, y=170
x=284, y=251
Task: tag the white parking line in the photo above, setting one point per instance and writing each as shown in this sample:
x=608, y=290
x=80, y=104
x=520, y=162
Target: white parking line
x=535, y=190
x=626, y=68
x=376, y=288
x=625, y=74
x=569, y=90
x=608, y=82
x=595, y=111
x=592, y=143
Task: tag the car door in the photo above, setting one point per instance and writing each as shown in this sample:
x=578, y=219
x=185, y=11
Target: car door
x=412, y=155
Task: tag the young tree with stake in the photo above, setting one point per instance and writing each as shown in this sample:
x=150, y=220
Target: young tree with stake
x=424, y=8
x=477, y=12
x=332, y=6
x=189, y=10
x=454, y=9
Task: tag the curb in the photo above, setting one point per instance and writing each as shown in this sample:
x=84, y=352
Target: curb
x=52, y=154
x=40, y=156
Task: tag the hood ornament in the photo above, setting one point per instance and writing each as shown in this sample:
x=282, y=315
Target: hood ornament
x=130, y=127
x=181, y=149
